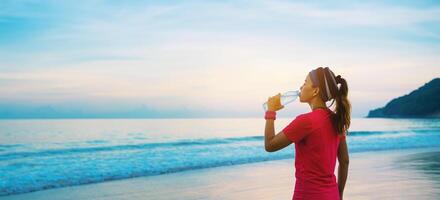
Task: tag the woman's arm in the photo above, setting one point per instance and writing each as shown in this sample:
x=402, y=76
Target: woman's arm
x=343, y=167
x=269, y=133
x=274, y=142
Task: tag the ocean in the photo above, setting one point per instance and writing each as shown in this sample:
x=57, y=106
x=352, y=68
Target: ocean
x=43, y=154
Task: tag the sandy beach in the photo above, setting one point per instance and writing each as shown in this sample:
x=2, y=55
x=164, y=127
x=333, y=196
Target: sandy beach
x=393, y=174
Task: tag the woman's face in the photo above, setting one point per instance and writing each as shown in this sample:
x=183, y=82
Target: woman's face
x=308, y=92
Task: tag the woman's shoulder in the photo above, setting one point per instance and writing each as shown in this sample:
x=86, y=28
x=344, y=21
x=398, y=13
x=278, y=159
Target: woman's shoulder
x=303, y=119
x=303, y=116
x=320, y=114
x=314, y=116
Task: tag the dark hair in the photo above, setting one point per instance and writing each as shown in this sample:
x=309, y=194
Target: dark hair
x=325, y=79
x=341, y=117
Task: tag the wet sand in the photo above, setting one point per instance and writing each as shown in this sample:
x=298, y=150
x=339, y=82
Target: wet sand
x=396, y=174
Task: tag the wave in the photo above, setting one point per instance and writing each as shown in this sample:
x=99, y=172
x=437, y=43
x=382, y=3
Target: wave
x=23, y=188
x=372, y=133
x=152, y=146
x=186, y=142
x=92, y=164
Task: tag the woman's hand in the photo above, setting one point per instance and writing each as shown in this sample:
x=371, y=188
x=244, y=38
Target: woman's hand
x=274, y=103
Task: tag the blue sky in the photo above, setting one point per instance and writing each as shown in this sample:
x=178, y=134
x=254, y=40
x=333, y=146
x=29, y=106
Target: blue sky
x=207, y=58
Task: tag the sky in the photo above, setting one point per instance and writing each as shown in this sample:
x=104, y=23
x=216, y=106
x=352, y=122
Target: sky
x=186, y=59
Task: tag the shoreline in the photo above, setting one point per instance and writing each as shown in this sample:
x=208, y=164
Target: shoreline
x=379, y=171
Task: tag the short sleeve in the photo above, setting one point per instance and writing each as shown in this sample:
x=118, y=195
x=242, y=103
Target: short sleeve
x=298, y=129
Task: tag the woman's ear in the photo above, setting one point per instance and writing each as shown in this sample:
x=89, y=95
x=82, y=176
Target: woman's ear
x=315, y=91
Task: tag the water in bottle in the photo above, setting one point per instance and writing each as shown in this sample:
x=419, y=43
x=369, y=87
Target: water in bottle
x=285, y=98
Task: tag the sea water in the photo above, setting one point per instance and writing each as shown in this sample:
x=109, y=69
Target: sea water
x=43, y=154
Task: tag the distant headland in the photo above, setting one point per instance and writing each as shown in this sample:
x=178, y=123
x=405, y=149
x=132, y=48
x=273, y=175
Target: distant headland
x=421, y=103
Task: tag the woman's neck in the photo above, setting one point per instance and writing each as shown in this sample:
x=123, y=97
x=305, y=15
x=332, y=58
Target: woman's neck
x=324, y=107
x=317, y=105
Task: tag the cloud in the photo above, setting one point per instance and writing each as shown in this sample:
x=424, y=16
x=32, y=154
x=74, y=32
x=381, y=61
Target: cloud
x=211, y=56
x=356, y=14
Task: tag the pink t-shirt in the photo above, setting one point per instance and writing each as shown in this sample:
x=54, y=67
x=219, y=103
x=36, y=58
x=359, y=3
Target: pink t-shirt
x=316, y=150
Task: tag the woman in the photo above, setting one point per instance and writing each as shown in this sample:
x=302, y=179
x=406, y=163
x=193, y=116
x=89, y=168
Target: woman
x=319, y=136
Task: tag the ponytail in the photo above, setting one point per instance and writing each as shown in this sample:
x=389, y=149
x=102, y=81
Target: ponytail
x=341, y=116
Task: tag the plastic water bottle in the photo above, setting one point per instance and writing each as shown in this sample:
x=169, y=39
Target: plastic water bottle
x=285, y=98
